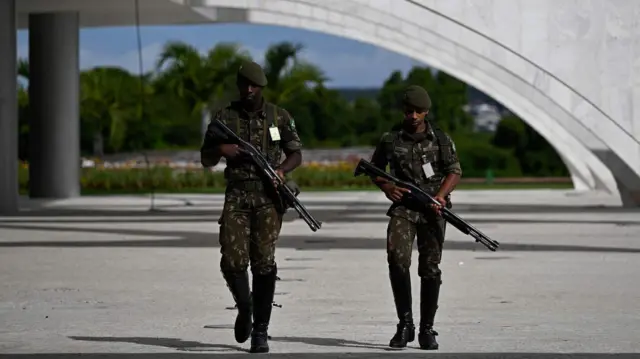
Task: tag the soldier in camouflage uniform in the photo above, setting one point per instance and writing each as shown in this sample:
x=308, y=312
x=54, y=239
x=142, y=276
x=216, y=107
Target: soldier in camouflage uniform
x=252, y=214
x=420, y=153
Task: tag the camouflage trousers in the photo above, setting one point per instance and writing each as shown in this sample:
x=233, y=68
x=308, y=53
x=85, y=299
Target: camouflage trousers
x=401, y=233
x=249, y=228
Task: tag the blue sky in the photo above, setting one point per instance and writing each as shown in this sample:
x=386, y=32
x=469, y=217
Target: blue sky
x=345, y=62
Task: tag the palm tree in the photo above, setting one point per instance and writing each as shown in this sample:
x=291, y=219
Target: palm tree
x=23, y=109
x=199, y=79
x=23, y=69
x=107, y=105
x=287, y=73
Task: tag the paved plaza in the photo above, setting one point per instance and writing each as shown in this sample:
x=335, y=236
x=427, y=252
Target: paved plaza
x=107, y=277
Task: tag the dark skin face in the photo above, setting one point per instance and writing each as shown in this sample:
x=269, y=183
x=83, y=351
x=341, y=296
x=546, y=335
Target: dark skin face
x=250, y=93
x=251, y=97
x=414, y=119
x=414, y=123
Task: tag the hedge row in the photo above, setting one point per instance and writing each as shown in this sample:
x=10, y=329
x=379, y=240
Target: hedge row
x=172, y=179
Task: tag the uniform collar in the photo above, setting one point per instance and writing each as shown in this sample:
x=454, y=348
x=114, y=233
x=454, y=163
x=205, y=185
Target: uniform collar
x=261, y=112
x=428, y=134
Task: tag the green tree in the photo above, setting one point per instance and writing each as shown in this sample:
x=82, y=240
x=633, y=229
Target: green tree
x=367, y=122
x=449, y=97
x=121, y=111
x=421, y=76
x=535, y=155
x=511, y=133
x=108, y=103
x=287, y=74
x=199, y=80
x=23, y=110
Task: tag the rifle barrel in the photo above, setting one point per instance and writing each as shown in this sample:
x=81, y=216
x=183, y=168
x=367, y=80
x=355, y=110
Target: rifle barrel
x=365, y=167
x=264, y=165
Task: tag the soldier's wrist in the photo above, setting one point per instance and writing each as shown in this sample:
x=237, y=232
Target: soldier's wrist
x=385, y=186
x=217, y=150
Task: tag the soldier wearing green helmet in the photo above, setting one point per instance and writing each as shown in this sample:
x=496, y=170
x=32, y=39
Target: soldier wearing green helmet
x=416, y=151
x=251, y=219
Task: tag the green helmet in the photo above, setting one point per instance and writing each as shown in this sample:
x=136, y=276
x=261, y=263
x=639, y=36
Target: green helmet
x=253, y=72
x=417, y=97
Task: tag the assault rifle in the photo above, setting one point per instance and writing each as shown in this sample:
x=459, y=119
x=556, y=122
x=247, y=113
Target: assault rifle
x=284, y=190
x=365, y=167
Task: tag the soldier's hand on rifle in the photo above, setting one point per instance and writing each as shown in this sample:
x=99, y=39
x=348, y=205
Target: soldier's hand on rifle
x=280, y=174
x=229, y=150
x=442, y=201
x=393, y=192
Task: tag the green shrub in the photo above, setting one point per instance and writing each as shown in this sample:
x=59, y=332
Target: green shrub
x=336, y=177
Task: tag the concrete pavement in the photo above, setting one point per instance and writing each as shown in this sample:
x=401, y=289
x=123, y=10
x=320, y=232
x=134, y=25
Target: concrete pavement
x=112, y=279
x=547, y=198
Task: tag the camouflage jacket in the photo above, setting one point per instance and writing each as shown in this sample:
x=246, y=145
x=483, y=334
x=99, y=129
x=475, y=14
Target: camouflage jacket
x=257, y=128
x=413, y=157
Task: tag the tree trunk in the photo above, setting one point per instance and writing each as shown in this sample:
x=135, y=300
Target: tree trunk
x=98, y=144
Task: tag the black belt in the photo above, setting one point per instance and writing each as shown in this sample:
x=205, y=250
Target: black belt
x=247, y=185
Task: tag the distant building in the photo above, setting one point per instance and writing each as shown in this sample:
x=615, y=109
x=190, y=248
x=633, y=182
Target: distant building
x=485, y=116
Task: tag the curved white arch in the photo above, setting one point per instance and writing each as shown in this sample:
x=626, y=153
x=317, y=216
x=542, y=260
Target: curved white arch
x=340, y=19
x=581, y=53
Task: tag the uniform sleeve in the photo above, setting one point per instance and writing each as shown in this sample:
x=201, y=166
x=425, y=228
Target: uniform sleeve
x=289, y=139
x=209, y=155
x=450, y=160
x=379, y=157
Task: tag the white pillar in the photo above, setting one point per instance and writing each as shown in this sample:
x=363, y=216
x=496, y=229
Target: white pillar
x=54, y=93
x=8, y=109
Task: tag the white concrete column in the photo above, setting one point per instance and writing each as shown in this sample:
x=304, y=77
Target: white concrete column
x=8, y=109
x=54, y=93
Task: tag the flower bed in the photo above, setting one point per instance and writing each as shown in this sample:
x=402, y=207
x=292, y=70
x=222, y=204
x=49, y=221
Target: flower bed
x=165, y=178
x=137, y=178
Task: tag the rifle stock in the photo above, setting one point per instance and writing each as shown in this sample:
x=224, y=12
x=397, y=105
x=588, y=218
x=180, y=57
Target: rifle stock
x=365, y=167
x=286, y=193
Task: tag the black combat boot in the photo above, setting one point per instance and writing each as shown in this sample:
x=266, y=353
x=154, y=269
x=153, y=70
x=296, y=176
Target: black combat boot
x=264, y=286
x=238, y=283
x=429, y=292
x=401, y=288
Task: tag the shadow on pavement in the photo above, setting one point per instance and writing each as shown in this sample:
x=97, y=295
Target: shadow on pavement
x=414, y=354
x=332, y=342
x=155, y=214
x=187, y=239
x=173, y=343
